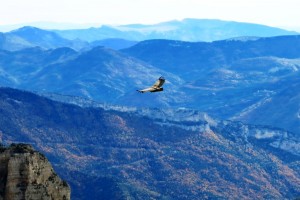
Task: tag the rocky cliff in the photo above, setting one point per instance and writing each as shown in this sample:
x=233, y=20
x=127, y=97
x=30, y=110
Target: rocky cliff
x=27, y=174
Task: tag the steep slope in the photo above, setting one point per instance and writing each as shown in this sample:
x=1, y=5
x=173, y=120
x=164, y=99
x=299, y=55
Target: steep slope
x=281, y=108
x=101, y=74
x=27, y=174
x=157, y=154
x=13, y=43
x=19, y=67
x=244, y=85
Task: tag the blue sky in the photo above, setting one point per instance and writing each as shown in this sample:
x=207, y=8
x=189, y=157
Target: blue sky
x=278, y=13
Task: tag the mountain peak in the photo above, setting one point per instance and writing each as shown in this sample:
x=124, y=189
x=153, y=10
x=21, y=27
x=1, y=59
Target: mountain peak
x=27, y=29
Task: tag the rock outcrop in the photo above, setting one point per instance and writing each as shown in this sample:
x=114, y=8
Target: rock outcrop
x=27, y=174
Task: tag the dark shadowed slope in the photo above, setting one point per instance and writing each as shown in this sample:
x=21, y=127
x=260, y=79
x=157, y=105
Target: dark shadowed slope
x=153, y=154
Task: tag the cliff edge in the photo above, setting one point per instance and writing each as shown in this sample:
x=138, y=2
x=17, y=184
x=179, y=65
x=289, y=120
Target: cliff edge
x=27, y=174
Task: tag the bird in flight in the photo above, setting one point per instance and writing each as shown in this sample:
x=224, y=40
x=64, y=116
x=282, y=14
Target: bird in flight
x=156, y=87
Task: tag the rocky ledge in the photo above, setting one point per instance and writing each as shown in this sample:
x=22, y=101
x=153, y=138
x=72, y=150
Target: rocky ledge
x=27, y=174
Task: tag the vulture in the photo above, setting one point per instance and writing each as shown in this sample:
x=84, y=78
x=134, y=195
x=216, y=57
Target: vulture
x=156, y=87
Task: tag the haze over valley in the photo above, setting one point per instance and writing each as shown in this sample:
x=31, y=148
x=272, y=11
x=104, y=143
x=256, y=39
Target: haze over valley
x=226, y=125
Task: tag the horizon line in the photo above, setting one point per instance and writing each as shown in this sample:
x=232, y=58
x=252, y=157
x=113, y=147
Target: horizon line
x=55, y=25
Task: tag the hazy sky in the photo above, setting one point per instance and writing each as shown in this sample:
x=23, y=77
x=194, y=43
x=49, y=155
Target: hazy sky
x=279, y=13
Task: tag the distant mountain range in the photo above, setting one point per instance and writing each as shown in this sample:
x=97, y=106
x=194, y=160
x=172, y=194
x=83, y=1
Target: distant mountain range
x=126, y=153
x=48, y=26
x=29, y=37
x=193, y=30
x=119, y=37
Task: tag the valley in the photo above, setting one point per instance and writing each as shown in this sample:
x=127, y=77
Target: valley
x=226, y=125
x=152, y=153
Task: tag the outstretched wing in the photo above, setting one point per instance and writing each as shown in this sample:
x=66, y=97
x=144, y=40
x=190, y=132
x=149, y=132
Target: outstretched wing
x=151, y=89
x=156, y=87
x=159, y=82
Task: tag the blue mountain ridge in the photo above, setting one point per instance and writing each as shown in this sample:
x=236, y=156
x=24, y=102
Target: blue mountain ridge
x=29, y=37
x=225, y=126
x=228, y=79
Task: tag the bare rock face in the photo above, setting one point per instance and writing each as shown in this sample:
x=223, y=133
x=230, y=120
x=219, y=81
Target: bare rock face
x=27, y=174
